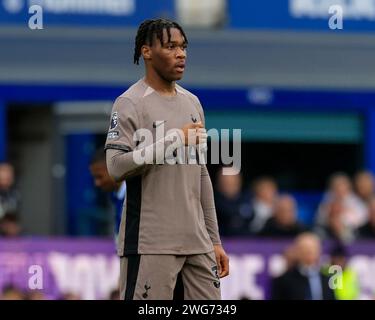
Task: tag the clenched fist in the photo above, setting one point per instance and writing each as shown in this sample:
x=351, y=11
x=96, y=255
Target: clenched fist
x=194, y=133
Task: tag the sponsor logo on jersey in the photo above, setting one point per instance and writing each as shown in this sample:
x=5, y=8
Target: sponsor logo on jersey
x=158, y=123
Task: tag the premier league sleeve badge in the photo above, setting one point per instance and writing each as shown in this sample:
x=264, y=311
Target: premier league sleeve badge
x=114, y=121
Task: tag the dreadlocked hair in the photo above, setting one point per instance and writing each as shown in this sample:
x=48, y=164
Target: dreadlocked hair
x=148, y=29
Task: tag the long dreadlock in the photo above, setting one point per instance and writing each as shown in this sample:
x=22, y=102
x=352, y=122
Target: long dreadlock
x=148, y=29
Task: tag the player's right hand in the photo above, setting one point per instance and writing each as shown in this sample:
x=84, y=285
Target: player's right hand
x=194, y=133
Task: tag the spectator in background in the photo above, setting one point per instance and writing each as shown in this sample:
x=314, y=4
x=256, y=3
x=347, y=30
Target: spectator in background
x=114, y=294
x=104, y=181
x=367, y=231
x=9, y=196
x=35, y=295
x=348, y=285
x=283, y=222
x=364, y=186
x=304, y=281
x=10, y=292
x=262, y=203
x=340, y=189
x=69, y=296
x=10, y=226
x=290, y=256
x=229, y=202
x=335, y=227
x=289, y=260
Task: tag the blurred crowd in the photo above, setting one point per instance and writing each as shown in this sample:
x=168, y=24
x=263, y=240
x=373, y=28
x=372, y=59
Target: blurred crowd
x=12, y=292
x=346, y=211
x=9, y=202
x=307, y=277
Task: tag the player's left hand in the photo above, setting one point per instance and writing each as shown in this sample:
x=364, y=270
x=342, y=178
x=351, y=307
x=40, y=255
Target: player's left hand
x=222, y=261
